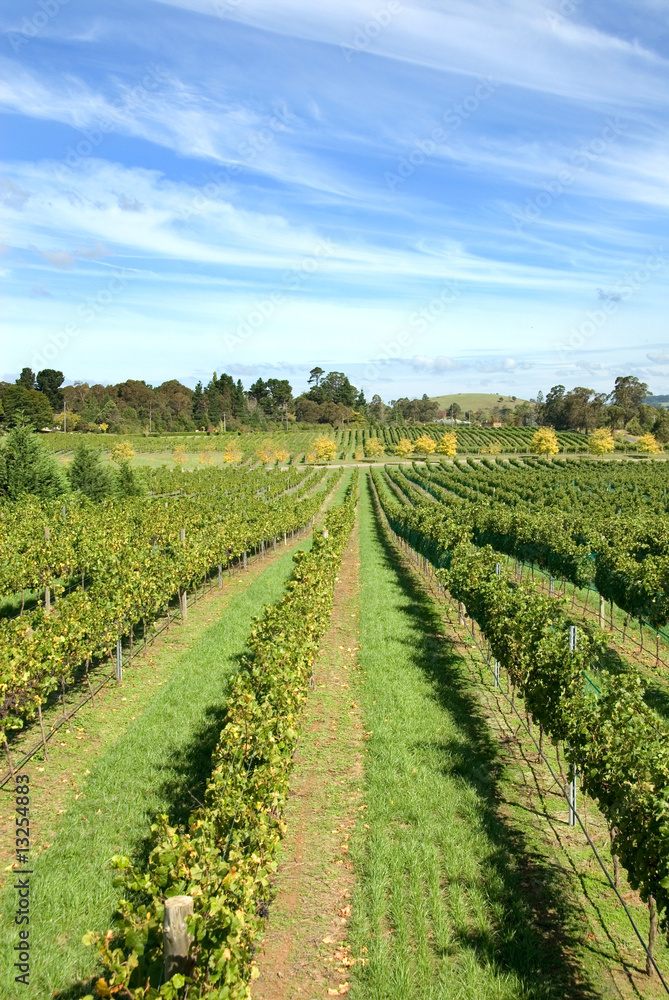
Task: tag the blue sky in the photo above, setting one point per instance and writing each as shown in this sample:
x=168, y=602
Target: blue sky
x=430, y=196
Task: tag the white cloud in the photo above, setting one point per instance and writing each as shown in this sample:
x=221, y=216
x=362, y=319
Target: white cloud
x=514, y=42
x=438, y=365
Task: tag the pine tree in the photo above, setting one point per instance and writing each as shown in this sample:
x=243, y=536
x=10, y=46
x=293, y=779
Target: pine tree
x=199, y=407
x=26, y=467
x=128, y=481
x=88, y=474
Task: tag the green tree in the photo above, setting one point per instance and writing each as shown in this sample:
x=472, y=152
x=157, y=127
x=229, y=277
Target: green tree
x=629, y=393
x=26, y=406
x=87, y=473
x=49, y=382
x=129, y=482
x=26, y=467
x=26, y=378
x=199, y=407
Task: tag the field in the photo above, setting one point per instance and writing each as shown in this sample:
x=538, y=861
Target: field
x=477, y=401
x=395, y=732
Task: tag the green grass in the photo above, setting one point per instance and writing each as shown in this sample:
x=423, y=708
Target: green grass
x=477, y=400
x=161, y=759
x=440, y=906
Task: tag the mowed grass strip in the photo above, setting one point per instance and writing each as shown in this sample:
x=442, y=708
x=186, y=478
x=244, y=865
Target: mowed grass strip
x=439, y=911
x=159, y=764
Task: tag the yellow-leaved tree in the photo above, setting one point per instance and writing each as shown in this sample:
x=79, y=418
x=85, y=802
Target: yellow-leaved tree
x=282, y=455
x=180, y=455
x=601, y=442
x=648, y=444
x=233, y=454
x=265, y=451
x=359, y=453
x=373, y=447
x=323, y=449
x=122, y=452
x=448, y=443
x=545, y=442
x=425, y=445
x=404, y=447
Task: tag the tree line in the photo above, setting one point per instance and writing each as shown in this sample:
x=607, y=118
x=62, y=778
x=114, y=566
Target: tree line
x=134, y=406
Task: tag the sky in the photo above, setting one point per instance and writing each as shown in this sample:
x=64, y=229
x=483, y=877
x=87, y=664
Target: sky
x=430, y=196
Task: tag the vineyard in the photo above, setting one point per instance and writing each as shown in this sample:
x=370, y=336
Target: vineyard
x=497, y=630
x=297, y=446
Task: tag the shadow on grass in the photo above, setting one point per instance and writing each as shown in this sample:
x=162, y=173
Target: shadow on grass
x=539, y=932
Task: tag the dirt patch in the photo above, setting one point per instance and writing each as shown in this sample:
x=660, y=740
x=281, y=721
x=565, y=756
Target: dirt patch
x=305, y=952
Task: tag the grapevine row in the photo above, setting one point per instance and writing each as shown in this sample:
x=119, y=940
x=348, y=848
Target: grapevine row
x=224, y=860
x=139, y=573
x=619, y=746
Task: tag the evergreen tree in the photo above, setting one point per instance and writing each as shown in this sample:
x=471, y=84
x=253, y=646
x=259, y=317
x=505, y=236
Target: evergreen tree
x=49, y=382
x=199, y=407
x=26, y=467
x=128, y=481
x=26, y=378
x=88, y=474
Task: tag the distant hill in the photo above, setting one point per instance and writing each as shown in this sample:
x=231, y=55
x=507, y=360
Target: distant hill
x=662, y=402
x=477, y=400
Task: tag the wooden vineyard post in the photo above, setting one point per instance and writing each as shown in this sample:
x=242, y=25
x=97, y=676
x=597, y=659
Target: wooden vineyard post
x=176, y=939
x=601, y=612
x=182, y=535
x=496, y=672
x=220, y=575
x=461, y=613
x=275, y=543
x=284, y=538
x=183, y=604
x=119, y=660
x=652, y=911
x=41, y=725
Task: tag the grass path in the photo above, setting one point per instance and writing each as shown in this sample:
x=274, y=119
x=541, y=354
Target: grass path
x=155, y=764
x=441, y=908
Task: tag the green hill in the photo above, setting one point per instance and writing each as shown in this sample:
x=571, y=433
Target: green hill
x=477, y=400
